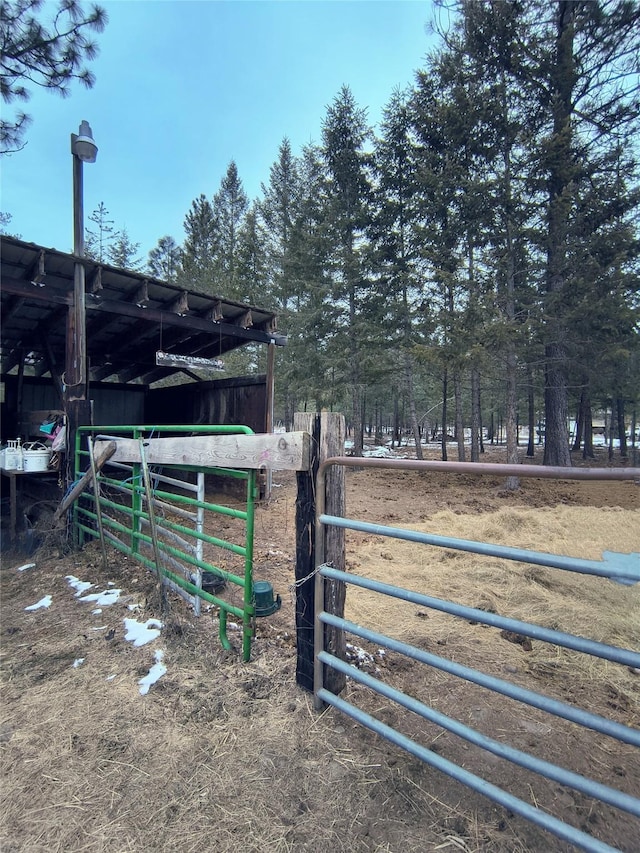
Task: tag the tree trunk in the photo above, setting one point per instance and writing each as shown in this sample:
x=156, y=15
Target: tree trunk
x=531, y=414
x=475, y=414
x=577, y=439
x=457, y=393
x=560, y=186
x=611, y=430
x=413, y=416
x=511, y=402
x=556, y=443
x=445, y=391
x=622, y=434
x=587, y=448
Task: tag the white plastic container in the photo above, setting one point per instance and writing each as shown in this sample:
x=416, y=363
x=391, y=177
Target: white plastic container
x=35, y=457
x=13, y=457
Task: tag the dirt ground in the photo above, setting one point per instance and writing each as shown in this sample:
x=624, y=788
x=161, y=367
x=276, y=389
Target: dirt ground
x=221, y=755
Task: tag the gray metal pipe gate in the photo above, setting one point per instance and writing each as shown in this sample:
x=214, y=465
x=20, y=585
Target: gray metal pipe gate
x=624, y=569
x=138, y=518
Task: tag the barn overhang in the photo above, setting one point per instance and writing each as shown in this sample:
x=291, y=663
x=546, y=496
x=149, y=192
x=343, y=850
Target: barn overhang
x=129, y=316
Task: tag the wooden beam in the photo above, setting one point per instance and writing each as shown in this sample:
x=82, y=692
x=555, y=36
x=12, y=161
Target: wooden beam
x=94, y=284
x=180, y=304
x=36, y=272
x=193, y=323
x=141, y=297
x=215, y=313
x=103, y=454
x=280, y=452
x=53, y=367
x=245, y=320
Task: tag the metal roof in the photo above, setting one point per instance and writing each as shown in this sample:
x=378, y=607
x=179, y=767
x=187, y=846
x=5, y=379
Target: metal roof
x=129, y=317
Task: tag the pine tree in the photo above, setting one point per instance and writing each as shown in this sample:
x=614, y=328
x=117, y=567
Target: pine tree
x=200, y=252
x=123, y=252
x=395, y=258
x=280, y=212
x=165, y=259
x=49, y=55
x=345, y=133
x=586, y=60
x=230, y=205
x=99, y=241
x=251, y=262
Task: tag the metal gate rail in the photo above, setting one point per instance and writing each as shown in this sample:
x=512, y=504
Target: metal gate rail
x=621, y=568
x=137, y=524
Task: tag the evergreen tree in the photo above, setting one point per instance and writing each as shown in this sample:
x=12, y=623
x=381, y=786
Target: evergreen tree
x=345, y=133
x=98, y=242
x=278, y=210
x=583, y=71
x=165, y=259
x=200, y=252
x=49, y=55
x=123, y=252
x=230, y=204
x=396, y=261
x=251, y=263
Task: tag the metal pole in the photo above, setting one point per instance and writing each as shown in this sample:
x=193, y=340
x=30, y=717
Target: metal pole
x=78, y=380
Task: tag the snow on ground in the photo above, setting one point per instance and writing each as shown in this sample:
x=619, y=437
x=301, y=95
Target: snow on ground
x=141, y=633
x=44, y=602
x=104, y=598
x=138, y=633
x=79, y=586
x=156, y=672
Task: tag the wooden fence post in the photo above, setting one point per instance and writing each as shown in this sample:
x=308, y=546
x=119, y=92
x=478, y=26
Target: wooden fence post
x=327, y=432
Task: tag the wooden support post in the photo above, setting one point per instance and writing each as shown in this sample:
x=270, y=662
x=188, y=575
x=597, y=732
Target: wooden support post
x=327, y=432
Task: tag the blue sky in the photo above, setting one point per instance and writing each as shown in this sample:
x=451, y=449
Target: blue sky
x=185, y=86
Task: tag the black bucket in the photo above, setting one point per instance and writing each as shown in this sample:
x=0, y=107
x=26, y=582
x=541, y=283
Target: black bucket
x=212, y=583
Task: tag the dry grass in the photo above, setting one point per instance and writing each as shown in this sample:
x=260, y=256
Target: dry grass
x=222, y=755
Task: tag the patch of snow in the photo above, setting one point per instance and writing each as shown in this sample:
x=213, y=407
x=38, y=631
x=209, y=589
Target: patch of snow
x=79, y=586
x=141, y=633
x=110, y=677
x=100, y=628
x=133, y=607
x=362, y=659
x=77, y=662
x=25, y=567
x=96, y=612
x=44, y=602
x=156, y=672
x=383, y=452
x=104, y=598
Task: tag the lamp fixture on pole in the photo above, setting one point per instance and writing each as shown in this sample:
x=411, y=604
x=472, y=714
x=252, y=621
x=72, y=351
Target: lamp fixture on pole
x=77, y=408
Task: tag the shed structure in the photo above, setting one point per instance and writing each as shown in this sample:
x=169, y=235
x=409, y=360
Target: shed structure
x=131, y=332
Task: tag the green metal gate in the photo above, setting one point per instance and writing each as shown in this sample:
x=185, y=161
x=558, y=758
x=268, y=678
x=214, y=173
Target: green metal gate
x=159, y=517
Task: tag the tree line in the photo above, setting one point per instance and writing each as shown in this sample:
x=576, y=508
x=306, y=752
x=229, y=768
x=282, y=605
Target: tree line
x=470, y=264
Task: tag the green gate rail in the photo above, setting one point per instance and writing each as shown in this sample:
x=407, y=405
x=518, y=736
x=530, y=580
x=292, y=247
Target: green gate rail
x=177, y=552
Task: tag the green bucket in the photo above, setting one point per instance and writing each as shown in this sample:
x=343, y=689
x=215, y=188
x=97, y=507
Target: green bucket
x=263, y=597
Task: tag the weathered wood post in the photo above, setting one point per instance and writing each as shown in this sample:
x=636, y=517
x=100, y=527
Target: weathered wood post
x=327, y=432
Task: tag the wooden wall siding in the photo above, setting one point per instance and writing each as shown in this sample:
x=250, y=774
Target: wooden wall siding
x=226, y=401
x=111, y=405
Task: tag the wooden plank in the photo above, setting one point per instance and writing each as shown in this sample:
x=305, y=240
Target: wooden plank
x=280, y=452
